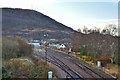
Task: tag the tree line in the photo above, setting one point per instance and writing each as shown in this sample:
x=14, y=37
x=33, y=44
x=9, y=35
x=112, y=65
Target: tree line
x=110, y=29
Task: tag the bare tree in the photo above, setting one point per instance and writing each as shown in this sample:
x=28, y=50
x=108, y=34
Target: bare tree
x=79, y=30
x=110, y=29
x=85, y=29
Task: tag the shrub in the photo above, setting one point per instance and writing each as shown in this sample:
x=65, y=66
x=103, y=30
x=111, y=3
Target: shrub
x=9, y=48
x=25, y=68
x=15, y=47
x=83, y=53
x=105, y=60
x=87, y=58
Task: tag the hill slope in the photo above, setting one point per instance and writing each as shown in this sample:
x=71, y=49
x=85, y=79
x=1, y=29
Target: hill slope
x=23, y=21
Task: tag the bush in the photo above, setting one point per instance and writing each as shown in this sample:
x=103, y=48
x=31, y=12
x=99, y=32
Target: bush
x=105, y=60
x=25, y=68
x=9, y=48
x=15, y=66
x=93, y=55
x=24, y=48
x=83, y=53
x=15, y=47
x=87, y=58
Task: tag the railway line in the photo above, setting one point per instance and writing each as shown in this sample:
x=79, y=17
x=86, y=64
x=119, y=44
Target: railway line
x=92, y=73
x=79, y=72
x=95, y=74
x=71, y=73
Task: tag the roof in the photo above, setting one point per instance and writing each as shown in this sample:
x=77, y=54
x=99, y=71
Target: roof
x=35, y=44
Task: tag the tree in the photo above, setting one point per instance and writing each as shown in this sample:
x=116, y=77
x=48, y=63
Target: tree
x=85, y=29
x=79, y=30
x=110, y=29
x=75, y=41
x=96, y=29
x=9, y=48
x=24, y=48
x=15, y=47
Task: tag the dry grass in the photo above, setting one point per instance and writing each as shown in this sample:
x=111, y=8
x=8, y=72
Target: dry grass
x=112, y=69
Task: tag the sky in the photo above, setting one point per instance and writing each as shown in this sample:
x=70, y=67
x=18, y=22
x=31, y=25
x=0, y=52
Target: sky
x=73, y=13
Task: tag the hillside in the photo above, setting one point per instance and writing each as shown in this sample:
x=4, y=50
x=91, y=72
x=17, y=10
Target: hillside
x=101, y=45
x=29, y=23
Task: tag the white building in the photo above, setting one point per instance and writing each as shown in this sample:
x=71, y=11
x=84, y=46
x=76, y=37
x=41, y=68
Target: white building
x=35, y=44
x=61, y=46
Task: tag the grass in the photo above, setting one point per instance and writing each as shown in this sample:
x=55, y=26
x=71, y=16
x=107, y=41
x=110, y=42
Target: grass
x=112, y=69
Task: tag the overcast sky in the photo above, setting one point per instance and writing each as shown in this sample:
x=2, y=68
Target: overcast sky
x=73, y=13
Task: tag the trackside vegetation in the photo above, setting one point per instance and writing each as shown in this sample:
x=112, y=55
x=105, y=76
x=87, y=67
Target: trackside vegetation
x=18, y=61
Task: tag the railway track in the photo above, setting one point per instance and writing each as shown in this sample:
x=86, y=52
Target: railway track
x=75, y=75
x=92, y=73
x=95, y=75
x=72, y=74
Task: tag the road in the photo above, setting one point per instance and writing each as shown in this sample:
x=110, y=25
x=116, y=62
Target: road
x=73, y=69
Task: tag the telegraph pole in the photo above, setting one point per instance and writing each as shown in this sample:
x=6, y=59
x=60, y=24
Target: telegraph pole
x=45, y=47
x=45, y=44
